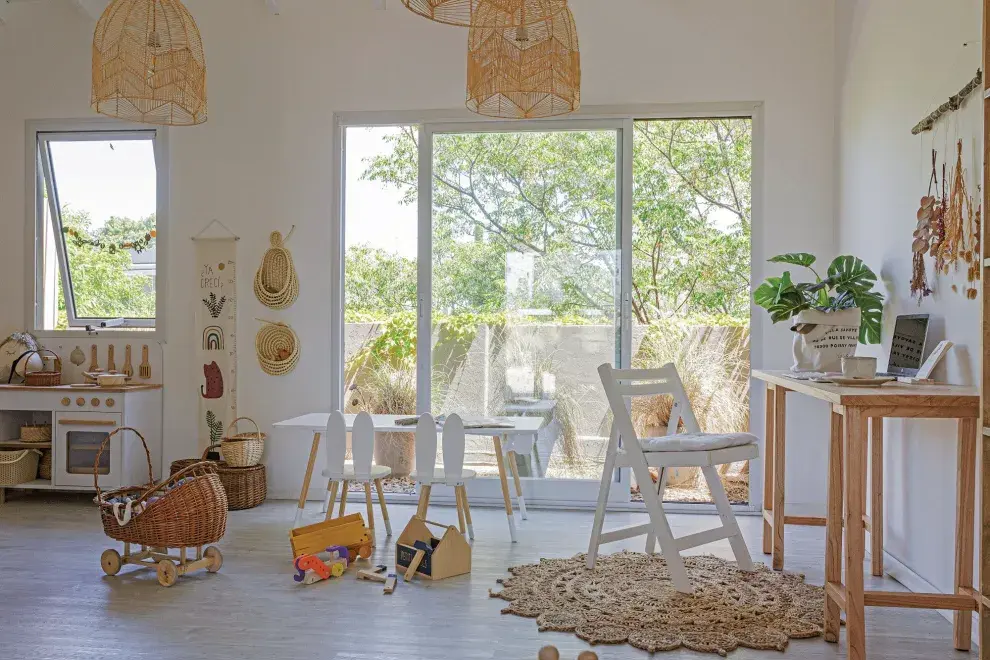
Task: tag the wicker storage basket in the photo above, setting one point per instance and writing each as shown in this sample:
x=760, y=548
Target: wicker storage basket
x=45, y=466
x=246, y=487
x=18, y=467
x=187, y=509
x=36, y=433
x=243, y=449
x=43, y=378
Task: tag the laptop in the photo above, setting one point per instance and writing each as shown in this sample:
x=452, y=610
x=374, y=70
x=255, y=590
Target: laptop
x=907, y=347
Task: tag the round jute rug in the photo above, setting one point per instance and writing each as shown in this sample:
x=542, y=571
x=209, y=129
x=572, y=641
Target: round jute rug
x=629, y=598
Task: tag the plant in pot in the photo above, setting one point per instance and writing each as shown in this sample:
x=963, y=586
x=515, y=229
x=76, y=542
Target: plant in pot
x=829, y=315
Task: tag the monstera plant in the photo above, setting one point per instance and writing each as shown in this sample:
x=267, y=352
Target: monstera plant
x=848, y=284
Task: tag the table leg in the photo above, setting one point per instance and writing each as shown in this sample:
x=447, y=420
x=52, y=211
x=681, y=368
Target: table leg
x=514, y=467
x=768, y=469
x=962, y=621
x=500, y=459
x=344, y=487
x=833, y=528
x=307, y=477
x=876, y=496
x=779, y=413
x=856, y=437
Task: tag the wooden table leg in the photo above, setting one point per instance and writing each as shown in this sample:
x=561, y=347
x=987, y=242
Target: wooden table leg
x=876, y=496
x=962, y=622
x=779, y=462
x=833, y=528
x=500, y=459
x=768, y=469
x=856, y=437
x=307, y=477
x=514, y=467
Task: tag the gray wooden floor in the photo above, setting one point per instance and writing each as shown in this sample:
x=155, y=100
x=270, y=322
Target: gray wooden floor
x=56, y=603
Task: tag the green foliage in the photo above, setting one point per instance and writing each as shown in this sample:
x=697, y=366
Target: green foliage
x=216, y=427
x=100, y=279
x=848, y=284
x=550, y=198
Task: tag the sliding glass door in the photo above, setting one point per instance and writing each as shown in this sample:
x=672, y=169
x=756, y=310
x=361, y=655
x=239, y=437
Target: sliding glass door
x=524, y=280
x=489, y=268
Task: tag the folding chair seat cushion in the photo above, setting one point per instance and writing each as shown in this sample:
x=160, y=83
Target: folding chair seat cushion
x=697, y=441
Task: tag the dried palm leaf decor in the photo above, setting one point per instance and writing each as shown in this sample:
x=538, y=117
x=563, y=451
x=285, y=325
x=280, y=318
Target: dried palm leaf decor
x=486, y=13
x=525, y=72
x=148, y=64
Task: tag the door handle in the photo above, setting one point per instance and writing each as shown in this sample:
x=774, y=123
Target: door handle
x=87, y=422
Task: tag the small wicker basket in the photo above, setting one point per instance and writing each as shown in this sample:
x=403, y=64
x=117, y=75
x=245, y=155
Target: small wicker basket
x=246, y=487
x=36, y=433
x=44, y=377
x=243, y=449
x=18, y=467
x=45, y=466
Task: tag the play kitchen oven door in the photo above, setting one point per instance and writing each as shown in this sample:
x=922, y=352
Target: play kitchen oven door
x=76, y=443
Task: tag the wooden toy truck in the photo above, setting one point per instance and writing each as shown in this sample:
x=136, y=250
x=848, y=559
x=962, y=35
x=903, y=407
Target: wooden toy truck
x=348, y=531
x=441, y=558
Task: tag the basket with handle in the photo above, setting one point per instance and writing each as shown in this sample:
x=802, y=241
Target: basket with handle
x=246, y=487
x=187, y=509
x=42, y=377
x=243, y=449
x=18, y=467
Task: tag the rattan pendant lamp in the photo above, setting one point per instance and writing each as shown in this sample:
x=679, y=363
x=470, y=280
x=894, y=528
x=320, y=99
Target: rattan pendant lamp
x=486, y=13
x=148, y=64
x=527, y=72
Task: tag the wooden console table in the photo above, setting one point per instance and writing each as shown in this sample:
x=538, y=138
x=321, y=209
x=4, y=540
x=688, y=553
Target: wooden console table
x=852, y=408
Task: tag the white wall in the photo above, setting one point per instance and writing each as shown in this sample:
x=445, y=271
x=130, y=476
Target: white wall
x=904, y=58
x=263, y=161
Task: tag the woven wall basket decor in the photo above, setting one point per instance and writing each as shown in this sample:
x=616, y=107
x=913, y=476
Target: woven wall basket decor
x=276, y=284
x=148, y=64
x=525, y=73
x=486, y=13
x=278, y=348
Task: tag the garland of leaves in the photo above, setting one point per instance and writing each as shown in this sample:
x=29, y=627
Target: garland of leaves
x=139, y=245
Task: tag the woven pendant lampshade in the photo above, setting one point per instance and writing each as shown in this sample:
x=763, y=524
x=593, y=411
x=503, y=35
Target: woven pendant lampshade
x=486, y=13
x=525, y=72
x=148, y=63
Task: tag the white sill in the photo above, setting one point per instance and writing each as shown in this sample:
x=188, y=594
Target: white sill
x=152, y=336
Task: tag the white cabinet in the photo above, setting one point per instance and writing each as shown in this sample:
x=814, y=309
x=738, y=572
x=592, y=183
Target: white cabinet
x=82, y=419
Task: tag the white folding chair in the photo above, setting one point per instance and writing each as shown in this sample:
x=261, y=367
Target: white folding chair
x=690, y=449
x=451, y=474
x=360, y=470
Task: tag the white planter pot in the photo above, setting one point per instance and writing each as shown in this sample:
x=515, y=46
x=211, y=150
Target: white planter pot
x=822, y=339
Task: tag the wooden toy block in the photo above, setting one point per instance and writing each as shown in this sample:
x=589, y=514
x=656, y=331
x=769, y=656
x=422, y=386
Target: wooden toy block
x=443, y=557
x=349, y=532
x=389, y=584
x=414, y=565
x=372, y=576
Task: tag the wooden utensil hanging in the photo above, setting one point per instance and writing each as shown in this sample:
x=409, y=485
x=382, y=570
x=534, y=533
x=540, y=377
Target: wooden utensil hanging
x=128, y=369
x=94, y=360
x=144, y=369
x=111, y=365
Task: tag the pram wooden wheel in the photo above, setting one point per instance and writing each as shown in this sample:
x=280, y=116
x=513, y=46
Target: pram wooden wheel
x=167, y=573
x=213, y=553
x=110, y=561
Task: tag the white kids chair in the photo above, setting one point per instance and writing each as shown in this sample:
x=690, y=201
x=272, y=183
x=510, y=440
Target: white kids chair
x=451, y=474
x=360, y=470
x=690, y=449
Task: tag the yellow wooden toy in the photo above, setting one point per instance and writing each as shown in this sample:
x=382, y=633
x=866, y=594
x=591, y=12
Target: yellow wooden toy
x=348, y=531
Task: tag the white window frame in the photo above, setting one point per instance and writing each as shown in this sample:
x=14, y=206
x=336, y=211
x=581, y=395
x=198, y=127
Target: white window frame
x=429, y=122
x=37, y=165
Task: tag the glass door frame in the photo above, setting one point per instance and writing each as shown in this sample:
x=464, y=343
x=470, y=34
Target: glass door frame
x=429, y=122
x=540, y=491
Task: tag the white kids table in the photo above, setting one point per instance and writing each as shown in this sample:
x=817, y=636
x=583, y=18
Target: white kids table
x=522, y=429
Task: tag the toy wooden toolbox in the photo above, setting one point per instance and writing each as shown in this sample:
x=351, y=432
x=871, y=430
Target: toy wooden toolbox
x=444, y=557
x=348, y=531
